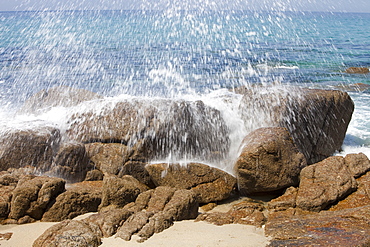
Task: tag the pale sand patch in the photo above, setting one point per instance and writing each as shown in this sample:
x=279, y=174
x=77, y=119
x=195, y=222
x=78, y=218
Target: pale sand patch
x=23, y=235
x=188, y=233
x=185, y=233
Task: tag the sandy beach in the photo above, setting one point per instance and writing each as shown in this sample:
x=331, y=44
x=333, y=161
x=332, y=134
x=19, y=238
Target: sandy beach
x=185, y=233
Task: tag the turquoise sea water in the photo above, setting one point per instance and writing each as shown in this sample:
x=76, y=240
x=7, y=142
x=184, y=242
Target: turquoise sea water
x=175, y=53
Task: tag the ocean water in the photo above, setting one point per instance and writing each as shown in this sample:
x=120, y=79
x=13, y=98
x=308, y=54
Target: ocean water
x=183, y=54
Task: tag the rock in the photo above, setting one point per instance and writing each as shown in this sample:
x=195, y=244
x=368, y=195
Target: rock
x=159, y=198
x=156, y=128
x=6, y=236
x=69, y=233
x=208, y=207
x=137, y=170
x=28, y=147
x=245, y=212
x=108, y=157
x=164, y=206
x=183, y=205
x=324, y=183
x=133, y=224
x=210, y=184
x=19, y=173
x=71, y=162
x=6, y=193
x=316, y=119
x=156, y=224
x=357, y=70
x=26, y=220
x=8, y=179
x=318, y=191
x=79, y=199
x=142, y=201
x=348, y=227
x=359, y=198
x=358, y=164
x=269, y=161
x=33, y=195
x=120, y=191
x=94, y=175
x=108, y=221
x=56, y=96
x=284, y=202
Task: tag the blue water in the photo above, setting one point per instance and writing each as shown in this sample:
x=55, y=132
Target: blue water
x=172, y=53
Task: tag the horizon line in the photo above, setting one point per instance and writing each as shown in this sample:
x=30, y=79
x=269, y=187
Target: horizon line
x=211, y=10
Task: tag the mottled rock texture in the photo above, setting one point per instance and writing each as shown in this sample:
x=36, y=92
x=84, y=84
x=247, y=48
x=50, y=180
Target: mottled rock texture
x=210, y=184
x=269, y=161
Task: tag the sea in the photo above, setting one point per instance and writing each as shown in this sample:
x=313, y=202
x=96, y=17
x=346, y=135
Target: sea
x=186, y=54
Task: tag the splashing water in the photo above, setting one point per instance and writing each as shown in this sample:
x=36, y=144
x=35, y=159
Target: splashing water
x=176, y=52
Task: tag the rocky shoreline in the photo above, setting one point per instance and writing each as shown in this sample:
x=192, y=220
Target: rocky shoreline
x=102, y=163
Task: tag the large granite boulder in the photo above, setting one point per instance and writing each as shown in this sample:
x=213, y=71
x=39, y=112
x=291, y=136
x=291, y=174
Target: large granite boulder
x=71, y=162
x=316, y=119
x=28, y=147
x=318, y=122
x=324, y=183
x=33, y=195
x=209, y=183
x=269, y=161
x=117, y=192
x=69, y=233
x=358, y=164
x=56, y=96
x=108, y=157
x=78, y=199
x=359, y=198
x=156, y=128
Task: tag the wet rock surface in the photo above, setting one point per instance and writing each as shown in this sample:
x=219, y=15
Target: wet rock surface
x=56, y=96
x=269, y=161
x=71, y=162
x=318, y=122
x=108, y=157
x=316, y=119
x=156, y=128
x=28, y=147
